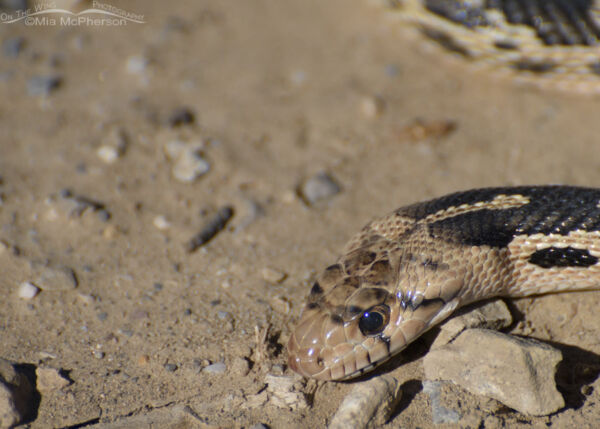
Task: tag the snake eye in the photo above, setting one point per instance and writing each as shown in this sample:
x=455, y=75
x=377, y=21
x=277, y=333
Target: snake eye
x=374, y=320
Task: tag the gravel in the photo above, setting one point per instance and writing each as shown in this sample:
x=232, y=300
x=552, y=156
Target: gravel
x=28, y=290
x=13, y=46
x=43, y=85
x=319, y=188
x=215, y=368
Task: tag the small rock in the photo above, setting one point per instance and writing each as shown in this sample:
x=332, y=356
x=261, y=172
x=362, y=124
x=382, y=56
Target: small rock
x=85, y=298
x=273, y=276
x=439, y=413
x=280, y=304
x=286, y=392
x=28, y=290
x=143, y=360
x=215, y=368
x=250, y=211
x=98, y=354
x=15, y=395
x=372, y=107
x=181, y=116
x=492, y=315
x=161, y=222
x=113, y=146
x=13, y=46
x=49, y=379
x=318, y=188
x=55, y=277
x=108, y=154
x=515, y=371
x=240, y=367
x=170, y=367
x=188, y=161
x=43, y=85
x=223, y=315
x=369, y=404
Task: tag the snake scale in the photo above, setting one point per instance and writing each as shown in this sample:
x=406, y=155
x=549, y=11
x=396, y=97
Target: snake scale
x=547, y=43
x=406, y=272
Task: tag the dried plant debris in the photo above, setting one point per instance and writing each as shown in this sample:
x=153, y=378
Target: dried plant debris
x=421, y=130
x=83, y=203
x=213, y=226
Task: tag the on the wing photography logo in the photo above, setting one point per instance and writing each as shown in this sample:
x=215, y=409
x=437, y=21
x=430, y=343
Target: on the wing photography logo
x=47, y=13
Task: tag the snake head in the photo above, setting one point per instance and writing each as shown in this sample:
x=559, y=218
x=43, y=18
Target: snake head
x=357, y=317
x=350, y=321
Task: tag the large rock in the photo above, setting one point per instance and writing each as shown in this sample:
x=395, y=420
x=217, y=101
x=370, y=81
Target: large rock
x=515, y=371
x=491, y=315
x=15, y=395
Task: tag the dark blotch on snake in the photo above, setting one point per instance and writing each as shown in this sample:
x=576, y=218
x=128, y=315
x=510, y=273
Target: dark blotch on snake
x=552, y=257
x=316, y=289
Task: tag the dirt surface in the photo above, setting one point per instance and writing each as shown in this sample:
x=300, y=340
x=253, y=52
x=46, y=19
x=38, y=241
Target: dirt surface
x=266, y=94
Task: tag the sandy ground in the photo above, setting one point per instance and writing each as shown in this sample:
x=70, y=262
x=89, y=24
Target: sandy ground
x=279, y=90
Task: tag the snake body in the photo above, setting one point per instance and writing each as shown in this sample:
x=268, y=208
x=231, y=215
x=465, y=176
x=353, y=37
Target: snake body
x=553, y=43
x=406, y=272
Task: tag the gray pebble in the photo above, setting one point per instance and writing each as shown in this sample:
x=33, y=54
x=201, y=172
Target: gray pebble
x=43, y=85
x=259, y=426
x=55, y=277
x=223, y=315
x=13, y=46
x=103, y=215
x=102, y=316
x=216, y=368
x=439, y=413
x=170, y=367
x=319, y=188
x=98, y=354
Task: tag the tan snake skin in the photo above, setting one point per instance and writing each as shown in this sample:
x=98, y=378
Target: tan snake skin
x=547, y=43
x=406, y=272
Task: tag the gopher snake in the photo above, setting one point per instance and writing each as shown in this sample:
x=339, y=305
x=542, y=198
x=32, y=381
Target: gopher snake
x=405, y=272
x=549, y=43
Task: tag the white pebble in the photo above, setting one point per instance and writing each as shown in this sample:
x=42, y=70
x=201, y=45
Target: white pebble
x=161, y=222
x=372, y=107
x=28, y=290
x=108, y=154
x=189, y=167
